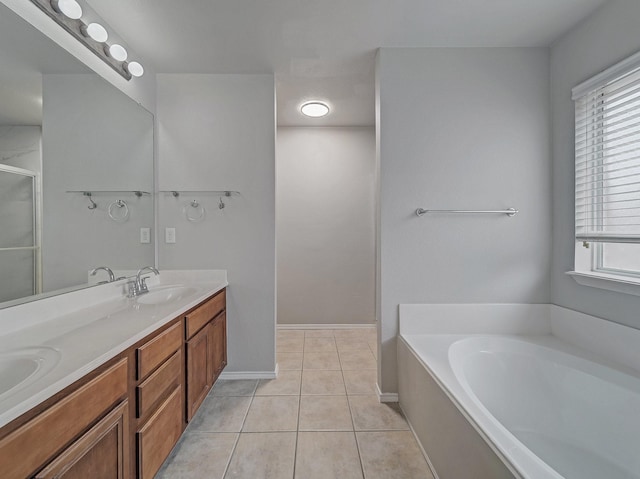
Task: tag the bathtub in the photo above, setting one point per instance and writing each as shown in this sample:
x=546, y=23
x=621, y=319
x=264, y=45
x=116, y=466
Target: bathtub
x=521, y=391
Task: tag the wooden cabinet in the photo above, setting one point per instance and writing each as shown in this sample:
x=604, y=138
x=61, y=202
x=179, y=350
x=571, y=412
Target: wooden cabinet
x=122, y=420
x=159, y=398
x=206, y=349
x=100, y=453
x=53, y=432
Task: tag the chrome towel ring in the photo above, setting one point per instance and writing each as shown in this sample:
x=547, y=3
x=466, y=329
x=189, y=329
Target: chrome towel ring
x=119, y=211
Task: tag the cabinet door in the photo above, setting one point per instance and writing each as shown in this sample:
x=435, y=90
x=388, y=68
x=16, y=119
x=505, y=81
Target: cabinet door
x=199, y=373
x=219, y=345
x=100, y=453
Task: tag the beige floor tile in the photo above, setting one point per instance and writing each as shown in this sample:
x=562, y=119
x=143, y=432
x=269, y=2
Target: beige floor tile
x=234, y=387
x=199, y=455
x=288, y=361
x=322, y=382
x=314, y=345
x=263, y=456
x=318, y=333
x=370, y=415
x=359, y=359
x=360, y=381
x=321, y=360
x=324, y=413
x=286, y=384
x=272, y=413
x=220, y=414
x=290, y=345
x=356, y=334
x=290, y=334
x=392, y=454
x=352, y=345
x=327, y=455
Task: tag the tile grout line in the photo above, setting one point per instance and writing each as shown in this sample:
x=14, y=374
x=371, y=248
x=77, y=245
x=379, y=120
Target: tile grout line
x=295, y=447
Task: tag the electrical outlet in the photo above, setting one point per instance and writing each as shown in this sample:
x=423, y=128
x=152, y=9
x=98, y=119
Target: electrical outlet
x=169, y=235
x=145, y=235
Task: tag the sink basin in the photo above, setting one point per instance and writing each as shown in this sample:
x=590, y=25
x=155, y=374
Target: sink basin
x=165, y=294
x=21, y=367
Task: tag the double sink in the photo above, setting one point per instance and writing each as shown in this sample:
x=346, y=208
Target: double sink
x=24, y=366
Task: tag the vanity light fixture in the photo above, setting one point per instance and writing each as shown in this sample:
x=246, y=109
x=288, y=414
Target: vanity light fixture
x=314, y=109
x=95, y=31
x=82, y=22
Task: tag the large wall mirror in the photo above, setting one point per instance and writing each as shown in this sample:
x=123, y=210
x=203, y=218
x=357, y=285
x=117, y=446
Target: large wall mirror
x=76, y=170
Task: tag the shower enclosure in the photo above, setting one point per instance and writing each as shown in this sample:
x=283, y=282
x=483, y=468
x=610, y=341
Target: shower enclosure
x=20, y=269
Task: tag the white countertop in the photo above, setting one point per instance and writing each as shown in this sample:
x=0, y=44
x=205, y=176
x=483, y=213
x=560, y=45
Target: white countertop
x=88, y=328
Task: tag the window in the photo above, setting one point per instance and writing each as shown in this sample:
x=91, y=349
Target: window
x=607, y=172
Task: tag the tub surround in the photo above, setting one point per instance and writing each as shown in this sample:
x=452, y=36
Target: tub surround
x=427, y=334
x=89, y=327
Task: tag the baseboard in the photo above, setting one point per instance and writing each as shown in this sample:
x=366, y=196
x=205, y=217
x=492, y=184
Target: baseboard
x=326, y=326
x=250, y=374
x=386, y=397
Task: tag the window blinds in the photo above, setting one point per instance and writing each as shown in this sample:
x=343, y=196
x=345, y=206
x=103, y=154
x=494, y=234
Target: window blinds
x=607, y=155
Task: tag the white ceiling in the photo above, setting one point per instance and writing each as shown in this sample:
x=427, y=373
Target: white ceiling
x=324, y=49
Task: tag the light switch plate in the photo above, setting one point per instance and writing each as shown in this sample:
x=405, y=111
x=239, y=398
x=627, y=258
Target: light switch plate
x=169, y=235
x=145, y=235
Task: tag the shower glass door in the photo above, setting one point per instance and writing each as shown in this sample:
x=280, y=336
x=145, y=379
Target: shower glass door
x=19, y=234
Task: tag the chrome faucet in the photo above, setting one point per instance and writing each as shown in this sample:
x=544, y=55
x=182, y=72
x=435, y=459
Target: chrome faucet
x=112, y=277
x=139, y=285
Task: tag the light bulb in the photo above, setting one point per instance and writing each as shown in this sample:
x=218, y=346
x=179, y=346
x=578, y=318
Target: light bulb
x=69, y=8
x=95, y=31
x=117, y=52
x=135, y=69
x=314, y=109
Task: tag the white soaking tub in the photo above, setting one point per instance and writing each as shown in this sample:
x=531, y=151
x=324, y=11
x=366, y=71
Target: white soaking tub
x=533, y=393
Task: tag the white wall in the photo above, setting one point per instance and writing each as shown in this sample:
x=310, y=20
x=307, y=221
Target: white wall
x=93, y=138
x=461, y=129
x=325, y=225
x=605, y=38
x=217, y=132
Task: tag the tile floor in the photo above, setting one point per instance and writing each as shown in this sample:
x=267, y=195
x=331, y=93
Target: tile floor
x=319, y=419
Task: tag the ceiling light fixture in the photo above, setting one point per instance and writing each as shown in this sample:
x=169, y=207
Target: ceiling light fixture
x=95, y=31
x=73, y=16
x=314, y=109
x=69, y=8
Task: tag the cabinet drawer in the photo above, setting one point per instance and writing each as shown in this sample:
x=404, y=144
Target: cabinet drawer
x=30, y=446
x=154, y=352
x=158, y=436
x=155, y=386
x=205, y=313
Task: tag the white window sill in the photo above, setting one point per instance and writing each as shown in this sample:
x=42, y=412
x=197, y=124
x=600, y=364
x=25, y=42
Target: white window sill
x=610, y=282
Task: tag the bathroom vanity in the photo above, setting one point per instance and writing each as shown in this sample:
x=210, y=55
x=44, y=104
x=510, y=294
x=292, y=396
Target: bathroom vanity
x=129, y=406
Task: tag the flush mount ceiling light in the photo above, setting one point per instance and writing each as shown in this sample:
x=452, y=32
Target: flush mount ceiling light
x=117, y=51
x=69, y=8
x=95, y=31
x=135, y=69
x=314, y=109
x=73, y=16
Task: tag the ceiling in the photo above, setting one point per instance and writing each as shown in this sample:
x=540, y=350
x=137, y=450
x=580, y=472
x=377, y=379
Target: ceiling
x=324, y=49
